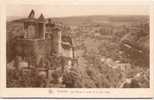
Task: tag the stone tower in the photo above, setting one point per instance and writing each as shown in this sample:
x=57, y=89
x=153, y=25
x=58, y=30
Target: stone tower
x=34, y=28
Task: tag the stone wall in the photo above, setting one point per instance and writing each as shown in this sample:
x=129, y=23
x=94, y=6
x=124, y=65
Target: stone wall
x=33, y=48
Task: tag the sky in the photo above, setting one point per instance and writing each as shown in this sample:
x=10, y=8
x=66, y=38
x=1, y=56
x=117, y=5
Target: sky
x=63, y=8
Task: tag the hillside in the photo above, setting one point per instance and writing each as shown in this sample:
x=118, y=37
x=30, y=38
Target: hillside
x=107, y=47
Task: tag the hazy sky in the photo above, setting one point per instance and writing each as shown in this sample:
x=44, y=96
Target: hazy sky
x=60, y=8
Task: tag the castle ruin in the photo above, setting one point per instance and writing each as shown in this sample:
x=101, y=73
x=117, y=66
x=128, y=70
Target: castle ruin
x=43, y=38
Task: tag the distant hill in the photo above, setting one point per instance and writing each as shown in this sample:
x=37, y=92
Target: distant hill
x=11, y=18
x=76, y=20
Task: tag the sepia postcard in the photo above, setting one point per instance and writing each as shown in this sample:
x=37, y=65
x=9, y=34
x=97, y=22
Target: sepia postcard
x=77, y=49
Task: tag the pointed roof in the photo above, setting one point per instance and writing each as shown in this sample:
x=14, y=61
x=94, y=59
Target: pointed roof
x=41, y=17
x=31, y=18
x=32, y=14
